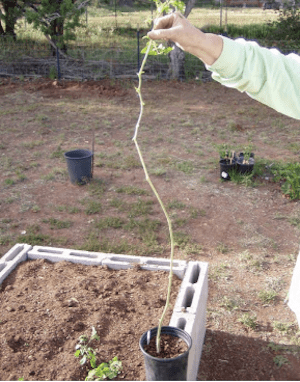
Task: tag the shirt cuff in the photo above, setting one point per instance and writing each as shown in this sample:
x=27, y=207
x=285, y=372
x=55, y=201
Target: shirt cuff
x=232, y=54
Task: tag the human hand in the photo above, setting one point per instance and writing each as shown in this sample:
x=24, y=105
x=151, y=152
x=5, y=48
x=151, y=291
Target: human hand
x=177, y=28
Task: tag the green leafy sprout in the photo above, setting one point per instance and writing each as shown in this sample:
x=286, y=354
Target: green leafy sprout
x=98, y=373
x=153, y=49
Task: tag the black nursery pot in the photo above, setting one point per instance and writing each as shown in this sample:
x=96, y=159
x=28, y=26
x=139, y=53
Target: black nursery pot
x=225, y=168
x=245, y=168
x=166, y=369
x=79, y=164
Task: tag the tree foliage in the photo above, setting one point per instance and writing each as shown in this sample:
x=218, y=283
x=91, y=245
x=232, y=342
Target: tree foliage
x=56, y=18
x=287, y=26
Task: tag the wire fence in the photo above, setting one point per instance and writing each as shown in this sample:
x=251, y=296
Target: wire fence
x=82, y=63
x=37, y=58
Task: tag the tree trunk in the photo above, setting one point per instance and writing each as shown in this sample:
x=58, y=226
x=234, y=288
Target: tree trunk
x=177, y=59
x=10, y=17
x=177, y=56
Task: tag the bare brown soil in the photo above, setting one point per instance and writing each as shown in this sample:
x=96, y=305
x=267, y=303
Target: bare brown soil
x=248, y=235
x=45, y=307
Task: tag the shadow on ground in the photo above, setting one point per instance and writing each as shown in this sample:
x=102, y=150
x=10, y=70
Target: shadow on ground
x=229, y=357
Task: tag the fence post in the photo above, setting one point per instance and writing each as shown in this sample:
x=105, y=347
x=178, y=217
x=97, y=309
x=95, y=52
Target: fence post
x=138, y=47
x=58, y=66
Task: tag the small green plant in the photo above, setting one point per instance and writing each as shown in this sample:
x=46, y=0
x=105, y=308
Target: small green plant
x=9, y=182
x=85, y=351
x=280, y=360
x=98, y=373
x=290, y=175
x=284, y=328
x=224, y=150
x=93, y=207
x=105, y=370
x=267, y=296
x=248, y=321
x=131, y=190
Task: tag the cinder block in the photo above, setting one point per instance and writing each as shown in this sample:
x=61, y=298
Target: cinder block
x=194, y=288
x=190, y=311
x=147, y=263
x=196, y=327
x=12, y=258
x=63, y=254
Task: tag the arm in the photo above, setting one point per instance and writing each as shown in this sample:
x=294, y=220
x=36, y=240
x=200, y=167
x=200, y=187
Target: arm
x=264, y=74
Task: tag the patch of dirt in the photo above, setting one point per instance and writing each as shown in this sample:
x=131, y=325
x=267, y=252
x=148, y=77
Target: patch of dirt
x=248, y=235
x=45, y=307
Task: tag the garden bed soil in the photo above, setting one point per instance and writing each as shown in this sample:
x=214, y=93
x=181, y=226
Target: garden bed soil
x=45, y=307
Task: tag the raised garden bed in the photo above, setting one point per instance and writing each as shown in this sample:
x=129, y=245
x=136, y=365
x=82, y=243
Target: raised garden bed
x=46, y=305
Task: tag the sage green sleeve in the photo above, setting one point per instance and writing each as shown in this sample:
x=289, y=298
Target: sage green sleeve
x=264, y=74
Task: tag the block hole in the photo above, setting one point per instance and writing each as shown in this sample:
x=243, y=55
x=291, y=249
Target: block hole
x=124, y=259
x=88, y=255
x=49, y=250
x=181, y=323
x=2, y=266
x=162, y=262
x=14, y=253
x=188, y=297
x=195, y=274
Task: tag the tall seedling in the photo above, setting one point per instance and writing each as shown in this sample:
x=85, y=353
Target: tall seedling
x=153, y=49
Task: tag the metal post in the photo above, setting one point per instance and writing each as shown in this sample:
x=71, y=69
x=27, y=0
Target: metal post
x=138, y=46
x=220, y=13
x=58, y=66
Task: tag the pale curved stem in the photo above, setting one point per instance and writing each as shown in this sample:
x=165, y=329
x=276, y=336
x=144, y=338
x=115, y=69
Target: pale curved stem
x=138, y=89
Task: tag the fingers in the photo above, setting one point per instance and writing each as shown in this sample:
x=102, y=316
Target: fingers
x=161, y=34
x=162, y=29
x=165, y=22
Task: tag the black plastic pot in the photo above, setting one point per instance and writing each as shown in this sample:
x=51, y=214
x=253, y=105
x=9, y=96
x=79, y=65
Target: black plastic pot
x=226, y=167
x=166, y=369
x=245, y=168
x=79, y=165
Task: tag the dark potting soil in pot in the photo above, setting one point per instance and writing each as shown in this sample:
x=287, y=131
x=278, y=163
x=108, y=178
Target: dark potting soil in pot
x=171, y=347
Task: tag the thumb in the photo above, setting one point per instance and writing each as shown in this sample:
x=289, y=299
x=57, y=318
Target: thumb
x=159, y=34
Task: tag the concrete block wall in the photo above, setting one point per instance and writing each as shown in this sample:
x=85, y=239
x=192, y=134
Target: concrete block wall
x=12, y=258
x=190, y=307
x=190, y=311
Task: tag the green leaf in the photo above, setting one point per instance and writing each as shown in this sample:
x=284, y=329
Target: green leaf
x=77, y=353
x=93, y=361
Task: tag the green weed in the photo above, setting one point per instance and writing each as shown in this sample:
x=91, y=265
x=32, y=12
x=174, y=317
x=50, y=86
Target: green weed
x=92, y=207
x=187, y=167
x=290, y=175
x=220, y=271
x=131, y=190
x=58, y=153
x=96, y=187
x=248, y=321
x=176, y=204
x=58, y=224
x=267, y=296
x=280, y=360
x=141, y=207
x=109, y=222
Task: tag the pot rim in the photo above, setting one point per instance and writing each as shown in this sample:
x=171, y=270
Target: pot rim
x=164, y=330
